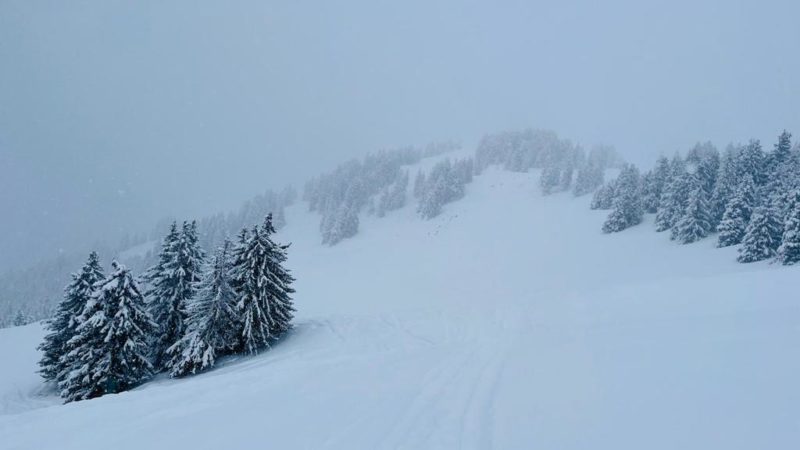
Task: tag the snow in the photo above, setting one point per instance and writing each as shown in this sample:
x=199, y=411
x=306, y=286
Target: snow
x=509, y=322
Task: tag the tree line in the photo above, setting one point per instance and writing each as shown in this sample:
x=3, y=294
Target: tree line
x=749, y=197
x=113, y=332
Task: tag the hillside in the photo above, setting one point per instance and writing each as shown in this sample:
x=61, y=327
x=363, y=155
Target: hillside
x=510, y=321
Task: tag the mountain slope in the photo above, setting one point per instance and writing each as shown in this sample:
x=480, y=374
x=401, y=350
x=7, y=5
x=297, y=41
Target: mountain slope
x=508, y=322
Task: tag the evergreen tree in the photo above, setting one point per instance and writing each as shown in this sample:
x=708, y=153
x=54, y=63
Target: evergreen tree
x=588, y=178
x=695, y=223
x=264, y=289
x=789, y=250
x=674, y=197
x=661, y=178
x=549, y=179
x=751, y=161
x=443, y=185
x=341, y=225
x=627, y=210
x=781, y=154
x=66, y=319
x=726, y=185
x=172, y=283
x=211, y=322
x=604, y=197
x=737, y=214
x=109, y=352
x=762, y=237
x=20, y=319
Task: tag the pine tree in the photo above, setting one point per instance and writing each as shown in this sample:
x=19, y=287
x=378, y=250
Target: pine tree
x=603, y=198
x=627, y=210
x=264, y=289
x=674, y=197
x=751, y=161
x=588, y=178
x=737, y=214
x=762, y=237
x=341, y=225
x=695, y=223
x=20, y=319
x=172, y=283
x=211, y=322
x=443, y=185
x=726, y=185
x=549, y=179
x=66, y=319
x=109, y=353
x=789, y=250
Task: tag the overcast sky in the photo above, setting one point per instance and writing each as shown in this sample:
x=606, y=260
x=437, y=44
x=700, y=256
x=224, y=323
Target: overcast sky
x=116, y=113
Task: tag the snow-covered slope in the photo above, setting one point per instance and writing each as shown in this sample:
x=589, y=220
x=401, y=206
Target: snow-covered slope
x=509, y=322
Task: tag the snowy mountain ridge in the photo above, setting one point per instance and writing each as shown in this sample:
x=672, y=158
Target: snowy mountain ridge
x=509, y=321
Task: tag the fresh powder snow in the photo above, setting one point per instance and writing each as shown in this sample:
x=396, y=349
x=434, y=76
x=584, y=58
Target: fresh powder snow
x=509, y=321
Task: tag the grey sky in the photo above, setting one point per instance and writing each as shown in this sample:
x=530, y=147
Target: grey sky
x=114, y=114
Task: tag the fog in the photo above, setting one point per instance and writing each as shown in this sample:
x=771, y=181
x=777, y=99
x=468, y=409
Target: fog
x=114, y=114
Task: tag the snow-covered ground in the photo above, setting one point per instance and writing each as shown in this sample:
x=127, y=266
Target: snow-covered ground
x=509, y=322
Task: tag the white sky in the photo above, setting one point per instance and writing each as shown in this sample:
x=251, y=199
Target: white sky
x=114, y=114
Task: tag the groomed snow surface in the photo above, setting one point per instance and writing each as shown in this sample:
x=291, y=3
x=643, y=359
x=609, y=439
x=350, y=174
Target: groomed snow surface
x=509, y=322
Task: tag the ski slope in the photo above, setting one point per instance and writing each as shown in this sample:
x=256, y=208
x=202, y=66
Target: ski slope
x=509, y=322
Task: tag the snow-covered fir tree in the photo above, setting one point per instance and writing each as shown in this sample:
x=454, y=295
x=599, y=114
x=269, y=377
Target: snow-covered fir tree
x=393, y=197
x=737, y=214
x=341, y=225
x=110, y=350
x=444, y=184
x=695, y=222
x=627, y=209
x=588, y=178
x=751, y=160
x=604, y=197
x=172, y=283
x=674, y=197
x=211, y=322
x=653, y=184
x=549, y=179
x=20, y=318
x=264, y=288
x=789, y=250
x=61, y=327
x=727, y=183
x=762, y=237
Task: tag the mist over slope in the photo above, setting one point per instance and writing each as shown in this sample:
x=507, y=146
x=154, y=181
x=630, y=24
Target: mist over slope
x=509, y=321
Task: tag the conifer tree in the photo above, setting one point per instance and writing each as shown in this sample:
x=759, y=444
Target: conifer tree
x=627, y=210
x=726, y=185
x=172, y=283
x=674, y=197
x=588, y=178
x=695, y=223
x=20, y=319
x=603, y=198
x=66, y=319
x=549, y=179
x=109, y=352
x=751, y=161
x=789, y=250
x=264, y=289
x=737, y=214
x=762, y=237
x=211, y=322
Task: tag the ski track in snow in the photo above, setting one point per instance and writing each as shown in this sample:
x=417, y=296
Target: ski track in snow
x=509, y=322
